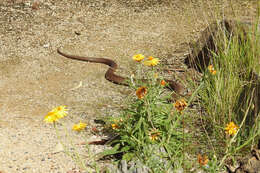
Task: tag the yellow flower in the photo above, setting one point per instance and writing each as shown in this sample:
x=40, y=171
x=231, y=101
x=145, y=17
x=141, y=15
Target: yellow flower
x=154, y=135
x=60, y=111
x=203, y=160
x=231, y=128
x=138, y=57
x=114, y=126
x=141, y=92
x=180, y=105
x=51, y=117
x=80, y=126
x=211, y=70
x=151, y=61
x=163, y=83
x=56, y=114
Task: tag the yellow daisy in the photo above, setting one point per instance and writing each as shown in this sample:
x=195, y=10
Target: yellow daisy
x=138, y=57
x=231, y=128
x=60, y=111
x=151, y=61
x=50, y=117
x=56, y=114
x=80, y=126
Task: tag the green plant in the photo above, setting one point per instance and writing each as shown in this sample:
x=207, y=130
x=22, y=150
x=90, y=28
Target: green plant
x=230, y=95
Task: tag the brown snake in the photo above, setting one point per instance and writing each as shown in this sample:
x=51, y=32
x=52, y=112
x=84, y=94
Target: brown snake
x=110, y=73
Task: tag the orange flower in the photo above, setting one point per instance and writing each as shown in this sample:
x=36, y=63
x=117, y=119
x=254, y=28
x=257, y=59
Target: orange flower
x=211, y=70
x=150, y=58
x=114, y=126
x=163, y=83
x=231, y=128
x=203, y=160
x=180, y=105
x=141, y=92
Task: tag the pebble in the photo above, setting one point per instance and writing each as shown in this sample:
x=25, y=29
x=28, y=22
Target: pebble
x=46, y=45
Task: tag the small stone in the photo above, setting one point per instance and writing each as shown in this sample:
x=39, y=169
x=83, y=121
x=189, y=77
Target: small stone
x=46, y=45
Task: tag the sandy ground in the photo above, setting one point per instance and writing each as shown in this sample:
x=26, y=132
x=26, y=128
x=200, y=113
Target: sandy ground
x=34, y=78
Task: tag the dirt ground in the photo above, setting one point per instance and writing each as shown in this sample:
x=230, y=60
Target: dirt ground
x=34, y=78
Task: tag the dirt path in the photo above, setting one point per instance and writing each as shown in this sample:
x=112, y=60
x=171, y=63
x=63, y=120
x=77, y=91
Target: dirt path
x=34, y=78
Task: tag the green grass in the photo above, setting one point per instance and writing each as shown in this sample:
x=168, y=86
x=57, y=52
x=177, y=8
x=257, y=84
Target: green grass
x=230, y=95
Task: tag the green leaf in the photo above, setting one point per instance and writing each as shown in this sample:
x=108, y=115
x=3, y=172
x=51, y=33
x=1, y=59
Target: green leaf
x=138, y=125
x=114, y=150
x=128, y=156
x=125, y=148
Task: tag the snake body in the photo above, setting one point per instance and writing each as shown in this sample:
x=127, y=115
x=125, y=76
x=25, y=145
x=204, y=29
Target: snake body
x=110, y=73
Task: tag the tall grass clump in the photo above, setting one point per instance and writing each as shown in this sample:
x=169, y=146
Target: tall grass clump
x=230, y=93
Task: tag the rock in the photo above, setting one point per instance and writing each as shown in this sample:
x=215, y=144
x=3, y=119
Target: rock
x=204, y=48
